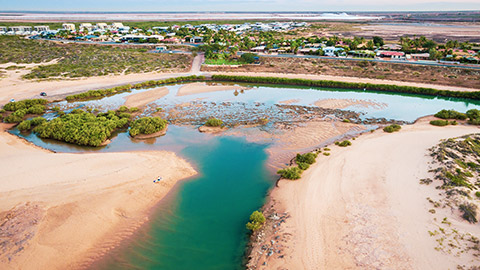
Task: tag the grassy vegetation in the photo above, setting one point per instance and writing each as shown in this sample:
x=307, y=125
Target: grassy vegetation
x=147, y=125
x=220, y=62
x=349, y=85
x=85, y=60
x=257, y=219
x=81, y=128
x=392, y=128
x=214, y=122
x=100, y=93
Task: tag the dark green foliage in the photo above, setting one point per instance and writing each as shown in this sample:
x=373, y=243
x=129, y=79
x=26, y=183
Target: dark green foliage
x=81, y=128
x=16, y=117
x=477, y=194
x=124, y=115
x=473, y=116
x=257, y=219
x=147, y=125
x=469, y=211
x=392, y=128
x=248, y=58
x=24, y=104
x=349, y=85
x=292, y=173
x=214, y=122
x=26, y=125
x=308, y=158
x=100, y=93
x=134, y=109
x=303, y=166
x=439, y=123
x=343, y=143
x=451, y=114
x=36, y=109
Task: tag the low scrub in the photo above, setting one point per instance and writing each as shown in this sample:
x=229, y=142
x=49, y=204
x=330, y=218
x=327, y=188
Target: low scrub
x=469, y=211
x=27, y=125
x=147, y=125
x=24, y=104
x=308, y=158
x=392, y=128
x=451, y=114
x=291, y=173
x=257, y=219
x=439, y=123
x=344, y=143
x=214, y=122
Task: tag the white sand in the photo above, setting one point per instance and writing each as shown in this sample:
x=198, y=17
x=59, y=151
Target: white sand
x=86, y=203
x=201, y=87
x=143, y=98
x=363, y=207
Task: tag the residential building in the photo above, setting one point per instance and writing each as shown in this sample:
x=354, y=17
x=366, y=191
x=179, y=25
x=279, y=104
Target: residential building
x=391, y=55
x=69, y=26
x=420, y=56
x=41, y=28
x=3, y=29
x=117, y=25
x=86, y=26
x=21, y=29
x=196, y=39
x=102, y=26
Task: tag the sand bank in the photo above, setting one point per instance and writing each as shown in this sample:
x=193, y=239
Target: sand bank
x=143, y=98
x=201, y=87
x=362, y=207
x=61, y=211
x=346, y=79
x=332, y=103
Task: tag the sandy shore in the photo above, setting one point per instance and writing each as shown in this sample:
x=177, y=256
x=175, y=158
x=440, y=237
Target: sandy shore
x=61, y=211
x=346, y=79
x=332, y=103
x=143, y=98
x=201, y=87
x=353, y=210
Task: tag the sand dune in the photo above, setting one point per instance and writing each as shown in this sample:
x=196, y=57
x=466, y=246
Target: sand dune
x=363, y=208
x=75, y=206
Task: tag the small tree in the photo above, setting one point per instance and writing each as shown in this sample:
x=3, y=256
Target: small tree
x=257, y=219
x=248, y=58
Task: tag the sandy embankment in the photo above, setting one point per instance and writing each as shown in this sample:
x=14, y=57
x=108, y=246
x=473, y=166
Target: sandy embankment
x=64, y=210
x=333, y=103
x=201, y=87
x=143, y=98
x=363, y=207
x=345, y=79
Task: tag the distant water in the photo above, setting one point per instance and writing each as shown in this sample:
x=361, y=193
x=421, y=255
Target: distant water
x=203, y=227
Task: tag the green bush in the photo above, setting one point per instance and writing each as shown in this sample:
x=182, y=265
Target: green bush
x=451, y=114
x=257, y=219
x=392, y=128
x=308, y=158
x=439, y=123
x=474, y=116
x=303, y=166
x=26, y=125
x=343, y=143
x=477, y=194
x=248, y=58
x=214, y=122
x=36, y=109
x=292, y=173
x=16, y=117
x=23, y=104
x=81, y=128
x=147, y=125
x=469, y=211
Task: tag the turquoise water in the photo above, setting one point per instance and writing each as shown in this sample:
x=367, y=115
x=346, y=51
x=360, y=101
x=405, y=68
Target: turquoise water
x=203, y=227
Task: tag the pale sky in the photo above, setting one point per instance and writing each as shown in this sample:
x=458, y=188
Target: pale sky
x=237, y=5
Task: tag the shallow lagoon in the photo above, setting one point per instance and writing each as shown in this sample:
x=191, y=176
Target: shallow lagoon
x=202, y=223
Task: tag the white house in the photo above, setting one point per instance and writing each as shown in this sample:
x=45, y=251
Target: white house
x=117, y=25
x=102, y=26
x=330, y=51
x=41, y=28
x=86, y=26
x=68, y=26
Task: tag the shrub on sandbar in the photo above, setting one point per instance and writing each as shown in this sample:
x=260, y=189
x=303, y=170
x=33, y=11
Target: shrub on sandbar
x=214, y=122
x=147, y=125
x=291, y=173
x=392, y=128
x=257, y=219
